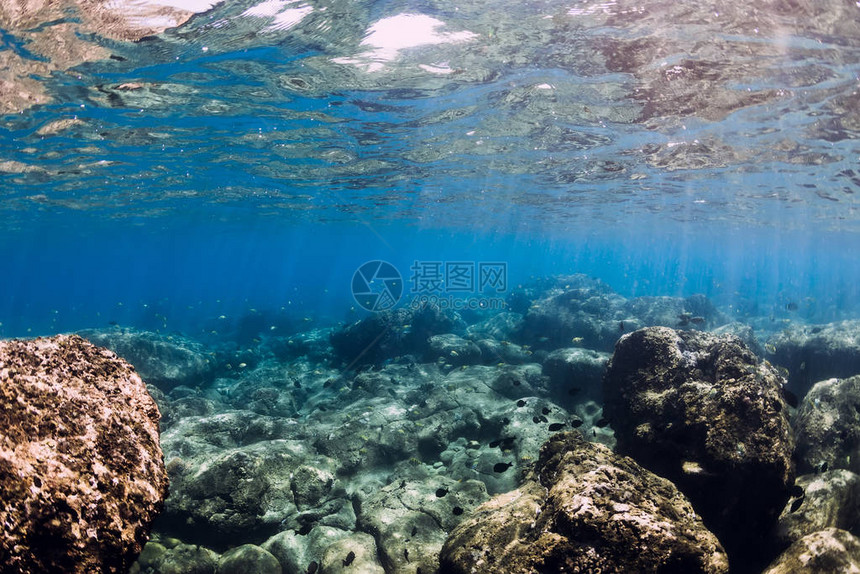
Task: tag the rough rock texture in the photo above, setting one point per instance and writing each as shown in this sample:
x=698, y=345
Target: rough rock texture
x=236, y=478
x=587, y=311
x=246, y=559
x=825, y=552
x=355, y=554
x=702, y=411
x=452, y=350
x=410, y=519
x=390, y=334
x=81, y=470
x=827, y=426
x=169, y=556
x=165, y=361
x=575, y=373
x=584, y=509
x=827, y=500
x=812, y=353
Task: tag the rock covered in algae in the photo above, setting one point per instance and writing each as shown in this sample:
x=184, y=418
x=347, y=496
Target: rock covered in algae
x=823, y=552
x=827, y=426
x=81, y=471
x=166, y=361
x=820, y=501
x=702, y=411
x=584, y=509
x=812, y=353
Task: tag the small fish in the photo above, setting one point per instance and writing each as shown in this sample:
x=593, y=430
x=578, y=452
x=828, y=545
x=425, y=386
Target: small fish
x=349, y=558
x=495, y=443
x=821, y=467
x=546, y=410
x=406, y=554
x=576, y=423
x=796, y=491
x=602, y=423
x=796, y=504
x=521, y=403
x=791, y=306
x=621, y=326
x=414, y=531
x=440, y=492
x=313, y=567
x=697, y=320
x=770, y=348
x=536, y=420
x=502, y=466
x=554, y=427
x=577, y=340
x=543, y=419
x=457, y=510
x=790, y=398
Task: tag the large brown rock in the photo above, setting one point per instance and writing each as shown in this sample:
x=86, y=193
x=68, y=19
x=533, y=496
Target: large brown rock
x=81, y=470
x=584, y=509
x=704, y=412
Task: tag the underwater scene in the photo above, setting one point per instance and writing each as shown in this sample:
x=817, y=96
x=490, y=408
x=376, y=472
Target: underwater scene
x=429, y=287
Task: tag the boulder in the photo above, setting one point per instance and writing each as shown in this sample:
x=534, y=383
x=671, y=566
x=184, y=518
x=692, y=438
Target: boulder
x=704, y=412
x=82, y=474
x=452, y=350
x=248, y=558
x=827, y=426
x=165, y=361
x=410, y=519
x=812, y=353
x=575, y=373
x=354, y=554
x=584, y=509
x=820, y=501
x=823, y=552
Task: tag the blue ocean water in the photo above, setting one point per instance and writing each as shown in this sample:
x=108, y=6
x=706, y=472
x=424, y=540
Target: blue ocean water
x=255, y=156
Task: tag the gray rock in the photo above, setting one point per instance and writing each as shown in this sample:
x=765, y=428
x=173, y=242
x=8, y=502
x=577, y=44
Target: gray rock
x=296, y=552
x=702, y=411
x=813, y=353
x=827, y=426
x=177, y=559
x=824, y=552
x=248, y=558
x=575, y=373
x=165, y=361
x=827, y=500
x=411, y=519
x=494, y=352
x=500, y=327
x=453, y=350
x=231, y=479
x=743, y=332
x=355, y=554
x=584, y=509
